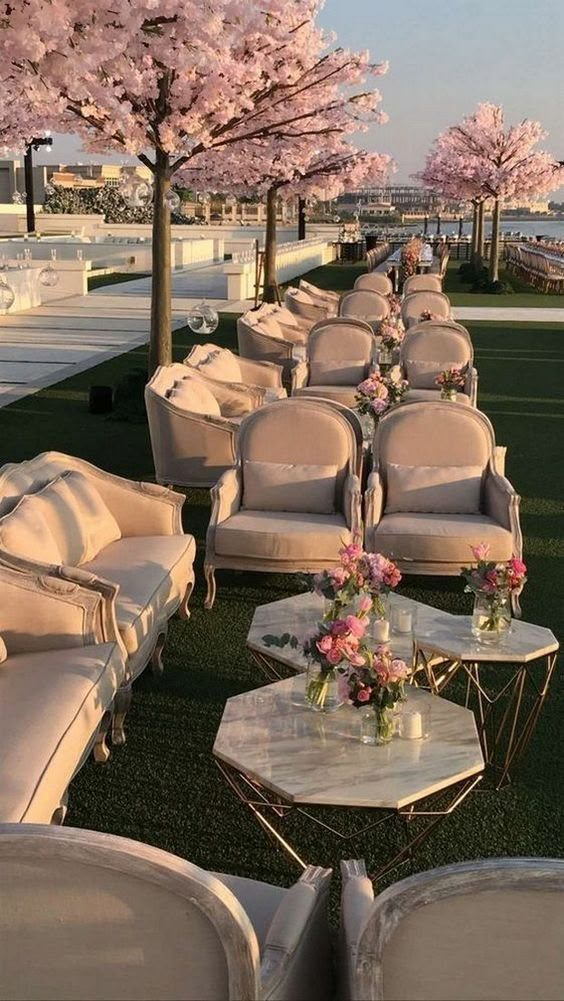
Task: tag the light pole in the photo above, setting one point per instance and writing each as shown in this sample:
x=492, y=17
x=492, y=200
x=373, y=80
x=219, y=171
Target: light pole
x=34, y=144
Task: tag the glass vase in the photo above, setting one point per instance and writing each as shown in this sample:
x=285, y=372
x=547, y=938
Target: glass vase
x=491, y=618
x=322, y=690
x=448, y=394
x=377, y=726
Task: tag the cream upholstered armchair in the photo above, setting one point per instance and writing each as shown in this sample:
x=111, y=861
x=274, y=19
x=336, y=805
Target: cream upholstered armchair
x=435, y=490
x=307, y=306
x=422, y=283
x=121, y=919
x=340, y=354
x=365, y=304
x=474, y=930
x=376, y=281
x=417, y=303
x=63, y=682
x=325, y=296
x=425, y=353
x=293, y=498
x=60, y=514
x=192, y=441
x=262, y=337
x=222, y=365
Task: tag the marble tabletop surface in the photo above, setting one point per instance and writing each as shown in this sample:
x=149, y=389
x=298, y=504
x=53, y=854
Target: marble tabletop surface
x=445, y=634
x=272, y=736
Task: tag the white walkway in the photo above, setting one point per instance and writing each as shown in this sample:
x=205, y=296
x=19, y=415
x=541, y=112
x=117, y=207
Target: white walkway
x=513, y=314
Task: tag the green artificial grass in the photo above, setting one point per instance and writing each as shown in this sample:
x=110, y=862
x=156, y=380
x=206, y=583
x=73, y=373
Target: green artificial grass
x=115, y=278
x=162, y=787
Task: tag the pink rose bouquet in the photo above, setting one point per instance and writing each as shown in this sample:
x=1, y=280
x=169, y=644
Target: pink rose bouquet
x=392, y=334
x=377, y=685
x=428, y=315
x=451, y=379
x=490, y=578
x=379, y=392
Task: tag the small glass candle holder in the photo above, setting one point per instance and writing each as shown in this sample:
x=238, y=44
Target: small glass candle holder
x=414, y=720
x=403, y=619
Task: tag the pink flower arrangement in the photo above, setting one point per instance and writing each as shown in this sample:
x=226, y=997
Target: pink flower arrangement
x=392, y=334
x=379, y=682
x=451, y=379
x=395, y=304
x=410, y=256
x=493, y=579
x=428, y=315
x=361, y=576
x=379, y=392
x=339, y=640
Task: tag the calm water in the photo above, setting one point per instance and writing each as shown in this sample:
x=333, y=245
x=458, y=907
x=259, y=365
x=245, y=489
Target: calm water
x=551, y=228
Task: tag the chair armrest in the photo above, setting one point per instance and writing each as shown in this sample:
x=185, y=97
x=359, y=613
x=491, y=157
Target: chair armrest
x=498, y=460
x=357, y=900
x=226, y=496
x=501, y=503
x=300, y=376
x=352, y=504
x=471, y=385
x=261, y=373
x=373, y=501
x=56, y=608
x=298, y=933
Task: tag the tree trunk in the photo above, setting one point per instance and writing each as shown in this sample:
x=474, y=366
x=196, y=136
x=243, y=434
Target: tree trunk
x=494, y=246
x=480, y=237
x=301, y=219
x=160, y=345
x=474, y=245
x=270, y=293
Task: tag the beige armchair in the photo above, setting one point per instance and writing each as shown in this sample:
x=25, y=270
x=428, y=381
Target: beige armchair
x=422, y=283
x=466, y=932
x=60, y=514
x=417, y=303
x=365, y=304
x=293, y=498
x=325, y=296
x=63, y=679
x=220, y=364
x=308, y=307
x=435, y=490
x=375, y=281
x=257, y=343
x=94, y=916
x=192, y=442
x=425, y=353
x=340, y=354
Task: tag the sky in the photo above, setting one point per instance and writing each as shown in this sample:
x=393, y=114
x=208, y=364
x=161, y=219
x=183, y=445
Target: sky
x=445, y=57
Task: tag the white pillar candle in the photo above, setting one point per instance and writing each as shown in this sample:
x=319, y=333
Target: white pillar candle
x=404, y=620
x=380, y=630
x=411, y=725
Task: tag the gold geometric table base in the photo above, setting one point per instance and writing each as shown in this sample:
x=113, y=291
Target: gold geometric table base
x=270, y=811
x=506, y=717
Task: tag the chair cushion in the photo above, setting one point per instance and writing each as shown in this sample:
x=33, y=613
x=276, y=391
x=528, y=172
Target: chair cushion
x=152, y=573
x=422, y=374
x=51, y=704
x=24, y=532
x=191, y=393
x=280, y=486
x=440, y=538
x=280, y=535
x=436, y=489
x=77, y=517
x=338, y=372
x=221, y=364
x=341, y=394
x=431, y=395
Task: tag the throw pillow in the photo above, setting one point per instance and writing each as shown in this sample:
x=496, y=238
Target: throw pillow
x=191, y=394
x=433, y=489
x=24, y=532
x=281, y=486
x=222, y=365
x=77, y=517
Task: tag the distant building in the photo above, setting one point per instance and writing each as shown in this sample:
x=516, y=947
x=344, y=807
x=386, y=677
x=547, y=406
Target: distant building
x=524, y=205
x=80, y=175
x=400, y=198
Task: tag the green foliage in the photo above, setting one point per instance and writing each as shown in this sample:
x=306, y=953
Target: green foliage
x=107, y=201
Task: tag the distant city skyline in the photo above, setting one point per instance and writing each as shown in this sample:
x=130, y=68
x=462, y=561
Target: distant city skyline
x=445, y=57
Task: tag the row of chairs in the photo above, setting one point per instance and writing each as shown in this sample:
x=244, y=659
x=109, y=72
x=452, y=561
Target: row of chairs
x=377, y=255
x=95, y=916
x=537, y=268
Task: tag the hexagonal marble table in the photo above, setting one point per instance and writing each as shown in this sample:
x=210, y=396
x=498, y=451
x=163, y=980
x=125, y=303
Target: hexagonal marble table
x=278, y=756
x=506, y=685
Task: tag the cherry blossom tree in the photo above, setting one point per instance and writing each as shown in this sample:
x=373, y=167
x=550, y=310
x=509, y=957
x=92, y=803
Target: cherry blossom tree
x=489, y=160
x=276, y=168
x=167, y=80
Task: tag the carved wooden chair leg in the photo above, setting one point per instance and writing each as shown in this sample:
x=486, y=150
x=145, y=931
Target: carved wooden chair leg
x=210, y=580
x=60, y=813
x=122, y=704
x=184, y=611
x=101, y=750
x=156, y=661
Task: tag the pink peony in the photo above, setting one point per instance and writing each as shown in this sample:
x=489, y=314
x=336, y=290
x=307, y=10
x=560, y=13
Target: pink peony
x=517, y=566
x=364, y=695
x=355, y=625
x=480, y=552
